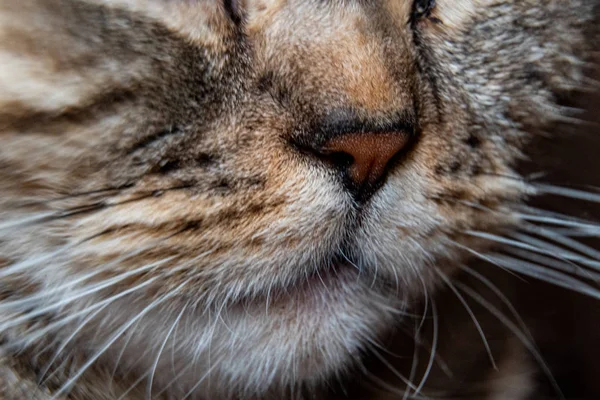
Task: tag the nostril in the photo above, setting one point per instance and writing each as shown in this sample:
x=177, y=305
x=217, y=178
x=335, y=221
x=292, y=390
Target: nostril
x=365, y=157
x=360, y=149
x=362, y=159
x=337, y=159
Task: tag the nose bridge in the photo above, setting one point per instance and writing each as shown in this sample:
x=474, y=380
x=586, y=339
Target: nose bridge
x=338, y=53
x=367, y=83
x=368, y=76
x=351, y=61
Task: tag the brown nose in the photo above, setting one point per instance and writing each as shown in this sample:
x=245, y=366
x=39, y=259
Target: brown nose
x=364, y=157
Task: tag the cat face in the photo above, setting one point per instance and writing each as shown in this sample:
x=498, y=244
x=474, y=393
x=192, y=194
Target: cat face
x=277, y=181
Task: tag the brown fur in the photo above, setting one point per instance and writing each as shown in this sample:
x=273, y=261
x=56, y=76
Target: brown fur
x=162, y=145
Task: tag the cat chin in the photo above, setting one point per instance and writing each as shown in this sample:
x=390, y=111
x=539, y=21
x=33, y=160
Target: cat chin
x=302, y=338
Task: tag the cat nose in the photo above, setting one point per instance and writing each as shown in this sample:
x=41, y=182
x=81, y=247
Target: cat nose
x=364, y=158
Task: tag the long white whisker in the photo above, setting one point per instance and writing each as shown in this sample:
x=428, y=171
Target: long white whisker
x=564, y=254
x=162, y=347
x=500, y=295
x=120, y=356
x=434, y=345
x=565, y=241
x=567, y=267
x=414, y=364
x=49, y=328
x=26, y=302
x=93, y=289
x=199, y=382
x=32, y=261
x=546, y=274
x=483, y=257
x=586, y=227
x=139, y=380
x=11, y=224
x=391, y=368
x=567, y=192
x=67, y=385
x=535, y=249
x=471, y=314
x=174, y=380
x=65, y=343
x=516, y=331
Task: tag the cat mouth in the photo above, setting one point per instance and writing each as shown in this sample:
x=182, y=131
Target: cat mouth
x=335, y=272
x=315, y=288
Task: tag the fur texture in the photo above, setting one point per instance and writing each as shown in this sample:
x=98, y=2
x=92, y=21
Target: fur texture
x=163, y=223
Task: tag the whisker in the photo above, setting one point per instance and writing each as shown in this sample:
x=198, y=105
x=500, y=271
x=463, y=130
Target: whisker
x=553, y=218
x=102, y=204
x=91, y=290
x=394, y=390
x=201, y=379
x=566, y=267
x=117, y=362
x=517, y=332
x=160, y=350
x=529, y=247
x=588, y=228
x=542, y=244
x=425, y=306
x=26, y=302
x=471, y=314
x=29, y=262
x=390, y=367
x=501, y=296
x=434, y=345
x=174, y=380
x=139, y=380
x=82, y=194
x=567, y=254
x=564, y=189
x=68, y=213
x=67, y=385
x=63, y=345
x=547, y=274
x=483, y=257
x=568, y=192
x=563, y=240
x=414, y=364
x=50, y=327
x=25, y=221
x=32, y=261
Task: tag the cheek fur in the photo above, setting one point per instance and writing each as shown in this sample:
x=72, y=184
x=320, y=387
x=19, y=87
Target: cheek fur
x=160, y=221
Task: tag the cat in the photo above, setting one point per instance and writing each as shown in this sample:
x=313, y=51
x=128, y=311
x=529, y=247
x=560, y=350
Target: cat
x=268, y=199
